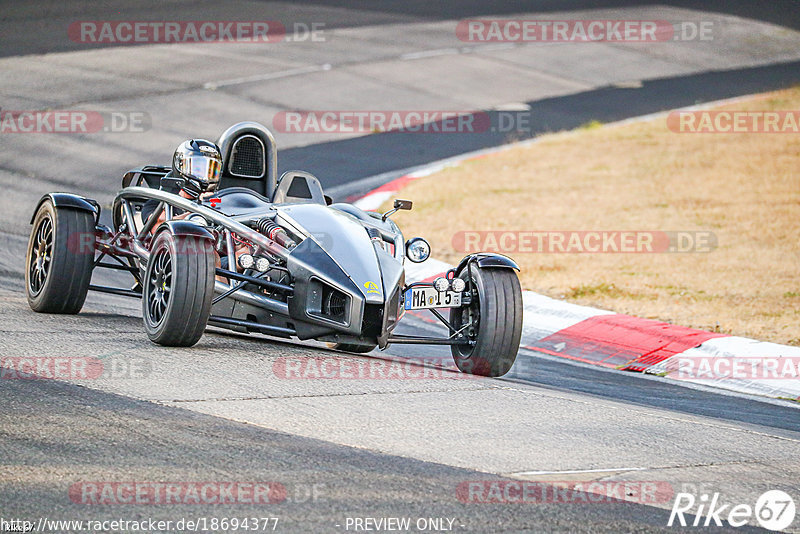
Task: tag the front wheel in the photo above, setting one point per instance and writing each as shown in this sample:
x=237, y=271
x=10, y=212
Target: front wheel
x=493, y=319
x=60, y=259
x=178, y=288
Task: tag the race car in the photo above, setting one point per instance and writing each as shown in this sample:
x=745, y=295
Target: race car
x=270, y=256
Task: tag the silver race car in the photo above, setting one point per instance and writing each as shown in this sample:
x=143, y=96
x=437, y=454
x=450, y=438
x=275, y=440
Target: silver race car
x=270, y=256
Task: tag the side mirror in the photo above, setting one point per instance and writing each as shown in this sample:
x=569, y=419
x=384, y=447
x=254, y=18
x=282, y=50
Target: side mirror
x=402, y=204
x=398, y=205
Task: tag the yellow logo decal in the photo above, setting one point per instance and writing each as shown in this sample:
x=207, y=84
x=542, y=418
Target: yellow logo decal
x=372, y=287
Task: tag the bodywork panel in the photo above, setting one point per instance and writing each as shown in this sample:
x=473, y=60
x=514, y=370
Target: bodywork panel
x=68, y=200
x=344, y=240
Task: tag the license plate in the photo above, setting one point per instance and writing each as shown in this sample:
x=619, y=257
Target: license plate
x=420, y=298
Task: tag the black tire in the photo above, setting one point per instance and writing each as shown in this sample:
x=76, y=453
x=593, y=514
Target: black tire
x=59, y=260
x=352, y=347
x=496, y=311
x=178, y=288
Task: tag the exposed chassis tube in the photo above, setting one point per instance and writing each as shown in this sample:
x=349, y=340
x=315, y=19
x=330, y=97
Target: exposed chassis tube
x=130, y=193
x=215, y=320
x=424, y=340
x=167, y=201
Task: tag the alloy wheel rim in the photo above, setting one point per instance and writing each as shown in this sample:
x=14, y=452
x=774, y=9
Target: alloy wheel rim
x=41, y=256
x=159, y=286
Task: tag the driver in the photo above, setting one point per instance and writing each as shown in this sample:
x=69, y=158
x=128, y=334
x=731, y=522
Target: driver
x=199, y=164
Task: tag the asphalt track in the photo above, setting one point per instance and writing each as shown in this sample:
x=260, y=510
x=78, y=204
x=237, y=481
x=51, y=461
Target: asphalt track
x=547, y=115
x=374, y=448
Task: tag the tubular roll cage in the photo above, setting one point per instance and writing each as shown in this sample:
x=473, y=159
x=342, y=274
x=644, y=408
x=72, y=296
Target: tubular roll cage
x=125, y=223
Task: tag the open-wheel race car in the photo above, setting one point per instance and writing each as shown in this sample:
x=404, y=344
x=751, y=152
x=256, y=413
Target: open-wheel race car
x=267, y=256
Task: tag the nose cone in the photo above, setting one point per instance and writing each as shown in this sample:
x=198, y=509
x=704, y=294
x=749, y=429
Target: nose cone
x=345, y=241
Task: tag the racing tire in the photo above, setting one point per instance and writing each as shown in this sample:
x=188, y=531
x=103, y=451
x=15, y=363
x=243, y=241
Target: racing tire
x=496, y=313
x=352, y=347
x=59, y=259
x=178, y=289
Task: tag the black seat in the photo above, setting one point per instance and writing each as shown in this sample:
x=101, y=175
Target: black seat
x=249, y=158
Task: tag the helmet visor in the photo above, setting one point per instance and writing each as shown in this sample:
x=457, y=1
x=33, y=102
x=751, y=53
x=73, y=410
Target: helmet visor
x=204, y=168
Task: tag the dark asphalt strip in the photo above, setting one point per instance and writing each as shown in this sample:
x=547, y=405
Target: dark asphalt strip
x=337, y=163
x=633, y=388
x=41, y=27
x=58, y=436
x=780, y=12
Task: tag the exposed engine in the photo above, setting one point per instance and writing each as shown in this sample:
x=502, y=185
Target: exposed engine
x=269, y=228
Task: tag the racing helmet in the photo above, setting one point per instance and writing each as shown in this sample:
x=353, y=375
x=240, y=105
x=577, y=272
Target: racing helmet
x=199, y=163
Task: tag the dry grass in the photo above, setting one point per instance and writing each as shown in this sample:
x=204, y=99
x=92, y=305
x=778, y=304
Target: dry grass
x=743, y=187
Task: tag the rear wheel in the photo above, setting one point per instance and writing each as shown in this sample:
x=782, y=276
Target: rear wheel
x=178, y=288
x=59, y=259
x=494, y=317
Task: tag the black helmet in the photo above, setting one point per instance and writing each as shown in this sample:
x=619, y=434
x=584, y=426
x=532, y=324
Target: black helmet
x=199, y=163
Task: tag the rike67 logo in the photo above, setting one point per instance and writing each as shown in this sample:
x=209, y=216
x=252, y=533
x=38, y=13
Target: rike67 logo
x=774, y=510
